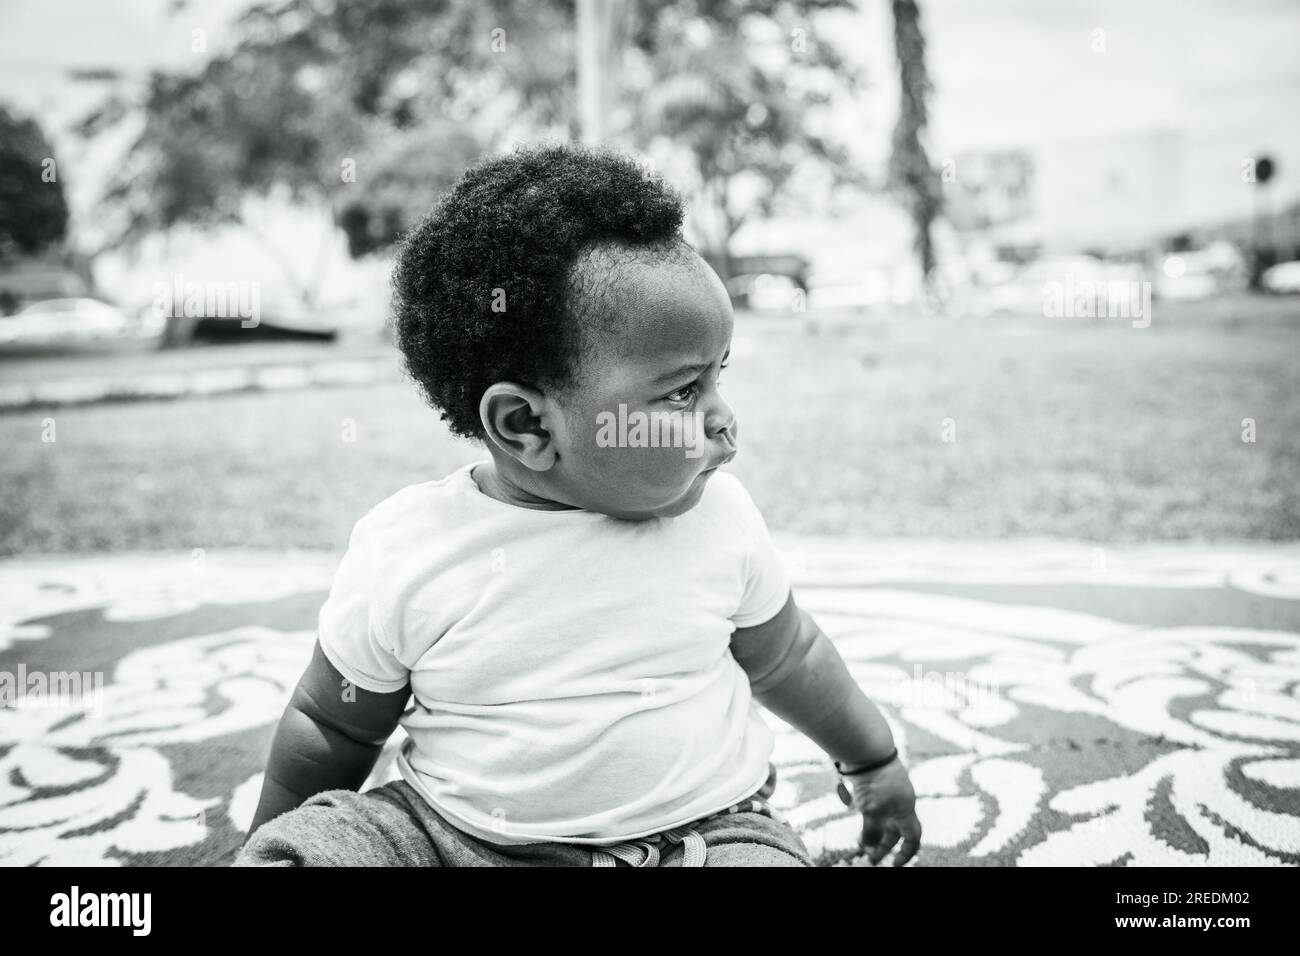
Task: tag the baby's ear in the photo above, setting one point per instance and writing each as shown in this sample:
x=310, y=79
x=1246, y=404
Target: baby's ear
x=512, y=419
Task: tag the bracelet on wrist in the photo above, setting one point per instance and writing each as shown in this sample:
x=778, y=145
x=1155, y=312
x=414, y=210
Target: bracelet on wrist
x=849, y=769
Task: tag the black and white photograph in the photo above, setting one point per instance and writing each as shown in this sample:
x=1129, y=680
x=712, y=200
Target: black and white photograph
x=825, y=434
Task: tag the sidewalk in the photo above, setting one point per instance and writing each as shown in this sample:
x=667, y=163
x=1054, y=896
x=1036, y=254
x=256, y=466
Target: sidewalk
x=141, y=374
x=1056, y=703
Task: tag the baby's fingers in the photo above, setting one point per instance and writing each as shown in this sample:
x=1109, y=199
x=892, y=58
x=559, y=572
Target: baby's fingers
x=911, y=842
x=882, y=847
x=872, y=833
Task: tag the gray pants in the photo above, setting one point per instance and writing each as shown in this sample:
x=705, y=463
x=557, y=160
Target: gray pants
x=393, y=825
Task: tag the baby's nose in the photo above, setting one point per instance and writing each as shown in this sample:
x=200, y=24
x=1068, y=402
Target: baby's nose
x=725, y=428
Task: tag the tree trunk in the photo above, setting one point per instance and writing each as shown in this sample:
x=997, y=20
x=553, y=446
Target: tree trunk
x=910, y=167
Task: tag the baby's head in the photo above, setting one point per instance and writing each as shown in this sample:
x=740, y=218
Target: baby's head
x=549, y=307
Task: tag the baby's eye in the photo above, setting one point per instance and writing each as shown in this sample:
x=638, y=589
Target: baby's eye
x=687, y=393
x=684, y=395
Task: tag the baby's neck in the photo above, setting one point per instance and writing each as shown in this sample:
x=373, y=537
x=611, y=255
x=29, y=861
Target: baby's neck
x=492, y=483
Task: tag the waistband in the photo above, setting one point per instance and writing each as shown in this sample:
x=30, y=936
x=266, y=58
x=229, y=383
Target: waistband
x=648, y=851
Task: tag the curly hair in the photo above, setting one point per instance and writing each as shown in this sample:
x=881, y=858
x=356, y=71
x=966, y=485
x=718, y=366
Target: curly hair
x=484, y=288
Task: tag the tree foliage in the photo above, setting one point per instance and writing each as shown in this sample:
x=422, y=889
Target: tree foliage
x=413, y=90
x=33, y=209
x=741, y=85
x=325, y=102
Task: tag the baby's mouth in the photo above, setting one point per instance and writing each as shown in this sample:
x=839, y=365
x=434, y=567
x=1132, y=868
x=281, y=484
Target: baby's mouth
x=719, y=464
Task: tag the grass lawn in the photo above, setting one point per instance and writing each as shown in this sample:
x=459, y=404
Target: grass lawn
x=1063, y=428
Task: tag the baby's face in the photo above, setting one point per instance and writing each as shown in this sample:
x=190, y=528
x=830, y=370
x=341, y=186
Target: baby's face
x=644, y=424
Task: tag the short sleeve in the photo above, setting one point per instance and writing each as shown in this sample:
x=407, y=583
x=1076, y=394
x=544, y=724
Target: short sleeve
x=767, y=585
x=348, y=628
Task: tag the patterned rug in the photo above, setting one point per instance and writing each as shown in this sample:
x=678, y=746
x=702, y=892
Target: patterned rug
x=1056, y=704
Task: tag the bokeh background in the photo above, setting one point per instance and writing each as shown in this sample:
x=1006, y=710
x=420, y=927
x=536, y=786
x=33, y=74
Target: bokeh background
x=918, y=209
x=1016, y=364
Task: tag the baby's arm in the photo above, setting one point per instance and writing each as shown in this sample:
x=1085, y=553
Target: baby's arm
x=328, y=738
x=795, y=672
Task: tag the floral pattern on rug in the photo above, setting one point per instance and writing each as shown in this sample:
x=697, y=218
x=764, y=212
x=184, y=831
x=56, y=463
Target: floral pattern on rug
x=1036, y=733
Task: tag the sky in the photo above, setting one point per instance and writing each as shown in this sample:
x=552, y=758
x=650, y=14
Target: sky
x=1018, y=68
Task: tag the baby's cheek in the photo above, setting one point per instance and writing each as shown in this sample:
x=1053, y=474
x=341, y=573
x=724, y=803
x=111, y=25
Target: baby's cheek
x=674, y=468
x=645, y=476
x=653, y=466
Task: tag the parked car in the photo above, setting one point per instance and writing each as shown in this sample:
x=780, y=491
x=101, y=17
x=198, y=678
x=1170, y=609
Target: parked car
x=764, y=292
x=65, y=321
x=182, y=330
x=1035, y=288
x=766, y=282
x=1283, y=278
x=1200, y=273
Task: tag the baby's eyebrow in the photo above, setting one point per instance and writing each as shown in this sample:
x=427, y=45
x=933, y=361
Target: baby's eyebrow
x=693, y=369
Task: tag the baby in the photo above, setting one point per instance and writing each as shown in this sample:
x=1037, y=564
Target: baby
x=584, y=624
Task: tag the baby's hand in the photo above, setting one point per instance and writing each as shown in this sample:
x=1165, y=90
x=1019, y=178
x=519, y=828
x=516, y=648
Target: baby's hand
x=887, y=802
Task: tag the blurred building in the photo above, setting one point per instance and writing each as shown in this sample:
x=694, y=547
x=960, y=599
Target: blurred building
x=1114, y=194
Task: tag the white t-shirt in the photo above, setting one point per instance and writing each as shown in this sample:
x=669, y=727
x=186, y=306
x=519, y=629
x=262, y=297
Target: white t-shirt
x=571, y=674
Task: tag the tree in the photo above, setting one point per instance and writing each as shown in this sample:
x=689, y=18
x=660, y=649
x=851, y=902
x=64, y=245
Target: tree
x=33, y=209
x=407, y=178
x=741, y=85
x=413, y=90
x=909, y=165
x=299, y=106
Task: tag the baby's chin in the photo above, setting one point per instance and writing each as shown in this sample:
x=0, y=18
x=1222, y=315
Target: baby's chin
x=642, y=510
